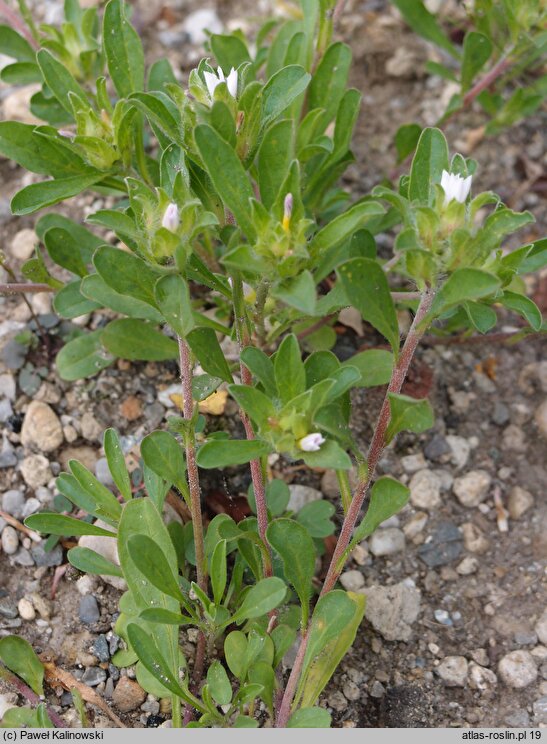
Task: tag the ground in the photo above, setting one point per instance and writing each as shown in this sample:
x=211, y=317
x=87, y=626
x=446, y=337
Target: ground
x=480, y=586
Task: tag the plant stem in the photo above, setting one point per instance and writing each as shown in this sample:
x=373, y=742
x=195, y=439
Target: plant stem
x=485, y=82
x=259, y=488
x=14, y=20
x=375, y=451
x=176, y=716
x=30, y=695
x=18, y=287
x=345, y=489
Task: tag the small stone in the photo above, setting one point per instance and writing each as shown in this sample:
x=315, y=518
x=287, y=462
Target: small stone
x=541, y=627
x=32, y=505
x=89, y=610
x=26, y=609
x=472, y=488
x=474, y=539
x=23, y=558
x=501, y=414
x=413, y=463
x=377, y=690
x=131, y=408
x=540, y=710
x=518, y=719
x=425, y=490
x=8, y=608
x=48, y=558
x=13, y=503
x=525, y=638
x=453, y=671
x=91, y=429
x=479, y=656
x=443, y=546
x=42, y=606
x=460, y=451
x=443, y=617
x=480, y=678
x=102, y=471
x=36, y=471
x=330, y=486
x=540, y=417
x=7, y=387
x=128, y=695
x=468, y=566
x=197, y=23
x=415, y=525
x=100, y=648
x=337, y=701
x=302, y=495
x=387, y=541
x=93, y=676
x=519, y=502
x=23, y=244
x=351, y=691
x=518, y=669
x=6, y=411
x=41, y=428
x=86, y=584
x=437, y=448
x=514, y=439
x=106, y=547
x=10, y=540
x=392, y=610
x=85, y=454
x=352, y=580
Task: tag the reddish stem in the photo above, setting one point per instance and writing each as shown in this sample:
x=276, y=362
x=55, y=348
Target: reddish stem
x=485, y=82
x=31, y=696
x=18, y=287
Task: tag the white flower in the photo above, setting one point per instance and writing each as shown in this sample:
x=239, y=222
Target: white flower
x=171, y=219
x=213, y=79
x=311, y=442
x=455, y=187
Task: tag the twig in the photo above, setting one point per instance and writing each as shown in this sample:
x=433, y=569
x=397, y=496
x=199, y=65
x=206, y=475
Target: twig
x=34, y=536
x=18, y=287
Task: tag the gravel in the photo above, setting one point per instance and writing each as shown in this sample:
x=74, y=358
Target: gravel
x=13, y=503
x=93, y=676
x=518, y=669
x=387, y=542
x=453, y=671
x=41, y=428
x=10, y=540
x=472, y=488
x=302, y=495
x=352, y=581
x=425, y=490
x=541, y=627
x=89, y=611
x=443, y=546
x=392, y=610
x=36, y=471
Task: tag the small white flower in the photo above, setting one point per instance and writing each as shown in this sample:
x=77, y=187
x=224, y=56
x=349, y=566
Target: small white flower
x=213, y=79
x=311, y=442
x=171, y=219
x=455, y=187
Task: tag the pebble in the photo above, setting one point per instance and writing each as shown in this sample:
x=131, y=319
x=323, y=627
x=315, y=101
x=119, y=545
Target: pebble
x=377, y=690
x=10, y=540
x=392, y=610
x=425, y=490
x=518, y=669
x=128, y=695
x=388, y=541
x=42, y=606
x=501, y=414
x=468, y=566
x=540, y=710
x=415, y=525
x=6, y=411
x=86, y=584
x=460, y=451
x=102, y=471
x=443, y=617
x=519, y=502
x=443, y=546
x=200, y=21
x=351, y=691
x=8, y=608
x=518, y=719
x=474, y=539
x=93, y=676
x=23, y=244
x=32, y=505
x=26, y=609
x=540, y=417
x=541, y=627
x=337, y=701
x=352, y=580
x=13, y=354
x=13, y=503
x=480, y=678
x=437, y=448
x=472, y=488
x=302, y=495
x=53, y=557
x=413, y=463
x=90, y=428
x=23, y=558
x=7, y=387
x=36, y=471
x=89, y=610
x=525, y=638
x=41, y=428
x=100, y=648
x=514, y=439
x=106, y=547
x=7, y=455
x=453, y=671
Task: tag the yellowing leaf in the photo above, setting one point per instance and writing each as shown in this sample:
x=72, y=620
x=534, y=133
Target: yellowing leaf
x=214, y=405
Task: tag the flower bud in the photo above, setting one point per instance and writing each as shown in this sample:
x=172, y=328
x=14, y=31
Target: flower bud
x=311, y=442
x=213, y=79
x=455, y=187
x=171, y=219
x=287, y=211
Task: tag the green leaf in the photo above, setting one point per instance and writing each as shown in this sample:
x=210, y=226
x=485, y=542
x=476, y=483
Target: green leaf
x=324, y=666
x=333, y=612
x=523, y=306
x=245, y=722
x=429, y=161
x=406, y=140
x=86, y=241
x=425, y=24
x=463, y=285
x=477, y=49
x=227, y=174
x=296, y=548
x=69, y=302
x=132, y=339
x=173, y=299
x=316, y=518
x=282, y=89
x=277, y=497
x=15, y=46
x=89, y=561
x=19, y=657
x=44, y=194
x=223, y=453
x=274, y=159
x=298, y=293
x=38, y=153
x=261, y=367
x=59, y=81
x=367, y=289
x=330, y=455
x=219, y=684
x=94, y=287
x=290, y=375
x=387, y=497
x=64, y=251
x=375, y=366
x=123, y=49
x=126, y=274
x=264, y=596
x=84, y=356
x=58, y=524
x=262, y=674
x=164, y=456
x=165, y=617
x=235, y=647
x=218, y=571
x=150, y=560
x=310, y=718
x=205, y=345
x=343, y=226
x=408, y=414
x=105, y=504
x=116, y=463
x=482, y=317
x=255, y=404
x=329, y=81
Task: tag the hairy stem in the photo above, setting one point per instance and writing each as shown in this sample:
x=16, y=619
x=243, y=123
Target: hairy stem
x=30, y=695
x=486, y=81
x=18, y=287
x=375, y=452
x=14, y=20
